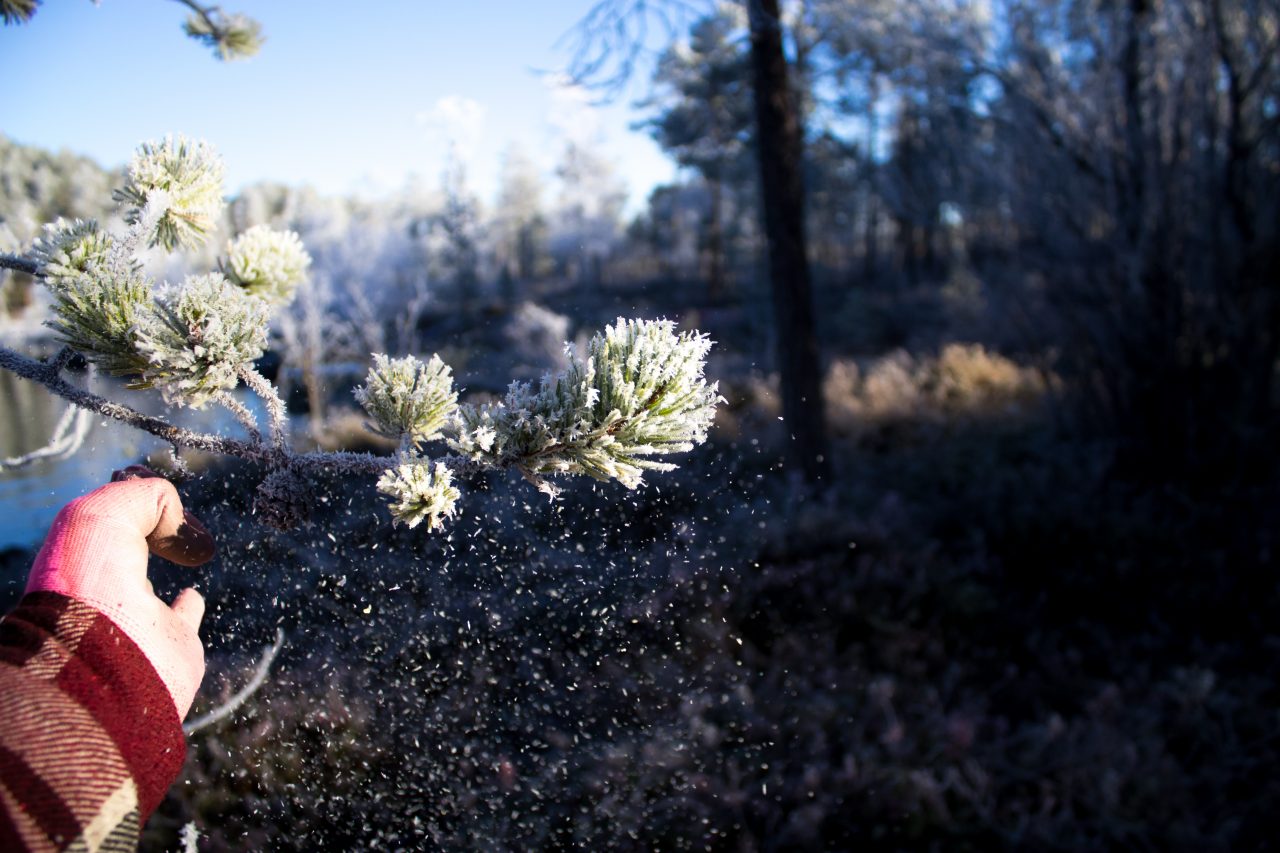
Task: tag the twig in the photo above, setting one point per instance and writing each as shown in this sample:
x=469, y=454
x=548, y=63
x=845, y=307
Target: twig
x=277, y=417
x=48, y=375
x=19, y=263
x=229, y=707
x=70, y=433
x=242, y=414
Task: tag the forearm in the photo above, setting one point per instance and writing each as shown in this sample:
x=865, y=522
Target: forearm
x=90, y=739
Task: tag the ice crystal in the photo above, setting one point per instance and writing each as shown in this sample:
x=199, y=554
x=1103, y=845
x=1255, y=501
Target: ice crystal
x=420, y=491
x=197, y=337
x=189, y=172
x=639, y=392
x=67, y=250
x=405, y=397
x=267, y=263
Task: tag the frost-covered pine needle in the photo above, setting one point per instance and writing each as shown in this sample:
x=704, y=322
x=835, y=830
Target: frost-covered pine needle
x=68, y=249
x=420, y=491
x=268, y=263
x=197, y=337
x=405, y=397
x=97, y=314
x=638, y=393
x=229, y=36
x=190, y=172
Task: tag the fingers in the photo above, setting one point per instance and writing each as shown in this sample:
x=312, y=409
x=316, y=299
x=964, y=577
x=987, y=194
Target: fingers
x=189, y=607
x=140, y=498
x=133, y=472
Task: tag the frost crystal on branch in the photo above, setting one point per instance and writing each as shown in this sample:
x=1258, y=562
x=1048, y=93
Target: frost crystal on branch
x=199, y=334
x=67, y=250
x=97, y=315
x=420, y=491
x=267, y=263
x=405, y=397
x=638, y=393
x=190, y=173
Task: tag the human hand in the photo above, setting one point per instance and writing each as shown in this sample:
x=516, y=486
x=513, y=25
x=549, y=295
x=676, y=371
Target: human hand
x=96, y=552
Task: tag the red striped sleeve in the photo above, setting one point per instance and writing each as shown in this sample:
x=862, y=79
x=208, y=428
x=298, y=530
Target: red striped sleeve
x=89, y=737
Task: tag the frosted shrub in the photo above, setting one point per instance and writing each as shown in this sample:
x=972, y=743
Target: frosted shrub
x=635, y=394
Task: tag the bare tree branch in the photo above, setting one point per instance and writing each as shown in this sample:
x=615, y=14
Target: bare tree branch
x=229, y=707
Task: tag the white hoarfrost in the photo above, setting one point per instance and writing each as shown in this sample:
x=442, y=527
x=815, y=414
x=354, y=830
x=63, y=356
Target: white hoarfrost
x=267, y=263
x=198, y=336
x=420, y=491
x=635, y=394
x=639, y=392
x=66, y=250
x=189, y=172
x=408, y=399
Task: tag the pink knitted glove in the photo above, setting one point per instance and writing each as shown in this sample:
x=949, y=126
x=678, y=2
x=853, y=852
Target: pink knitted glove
x=96, y=552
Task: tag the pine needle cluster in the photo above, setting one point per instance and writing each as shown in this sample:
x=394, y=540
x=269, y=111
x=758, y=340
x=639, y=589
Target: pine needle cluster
x=67, y=250
x=229, y=36
x=190, y=173
x=98, y=315
x=638, y=392
x=198, y=336
x=267, y=263
x=408, y=400
x=420, y=490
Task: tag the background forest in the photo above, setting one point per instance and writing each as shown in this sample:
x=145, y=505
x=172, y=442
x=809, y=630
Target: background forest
x=980, y=553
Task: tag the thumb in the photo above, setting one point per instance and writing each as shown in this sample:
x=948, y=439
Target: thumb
x=189, y=607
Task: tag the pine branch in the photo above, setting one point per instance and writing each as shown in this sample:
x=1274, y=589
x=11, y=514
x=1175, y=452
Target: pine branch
x=277, y=416
x=49, y=375
x=21, y=264
x=241, y=413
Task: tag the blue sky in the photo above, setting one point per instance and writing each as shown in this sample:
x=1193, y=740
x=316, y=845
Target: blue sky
x=347, y=97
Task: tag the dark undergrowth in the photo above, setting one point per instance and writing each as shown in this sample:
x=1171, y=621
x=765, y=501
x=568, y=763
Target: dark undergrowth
x=975, y=641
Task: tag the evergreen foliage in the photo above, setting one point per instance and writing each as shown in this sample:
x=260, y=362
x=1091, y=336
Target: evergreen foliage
x=190, y=173
x=68, y=250
x=637, y=393
x=267, y=263
x=407, y=399
x=422, y=491
x=18, y=11
x=97, y=315
x=229, y=36
x=198, y=337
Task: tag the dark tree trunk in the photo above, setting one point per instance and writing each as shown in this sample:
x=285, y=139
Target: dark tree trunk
x=716, y=277
x=780, y=142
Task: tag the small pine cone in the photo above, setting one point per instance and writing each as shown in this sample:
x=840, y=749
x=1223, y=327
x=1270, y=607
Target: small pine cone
x=282, y=501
